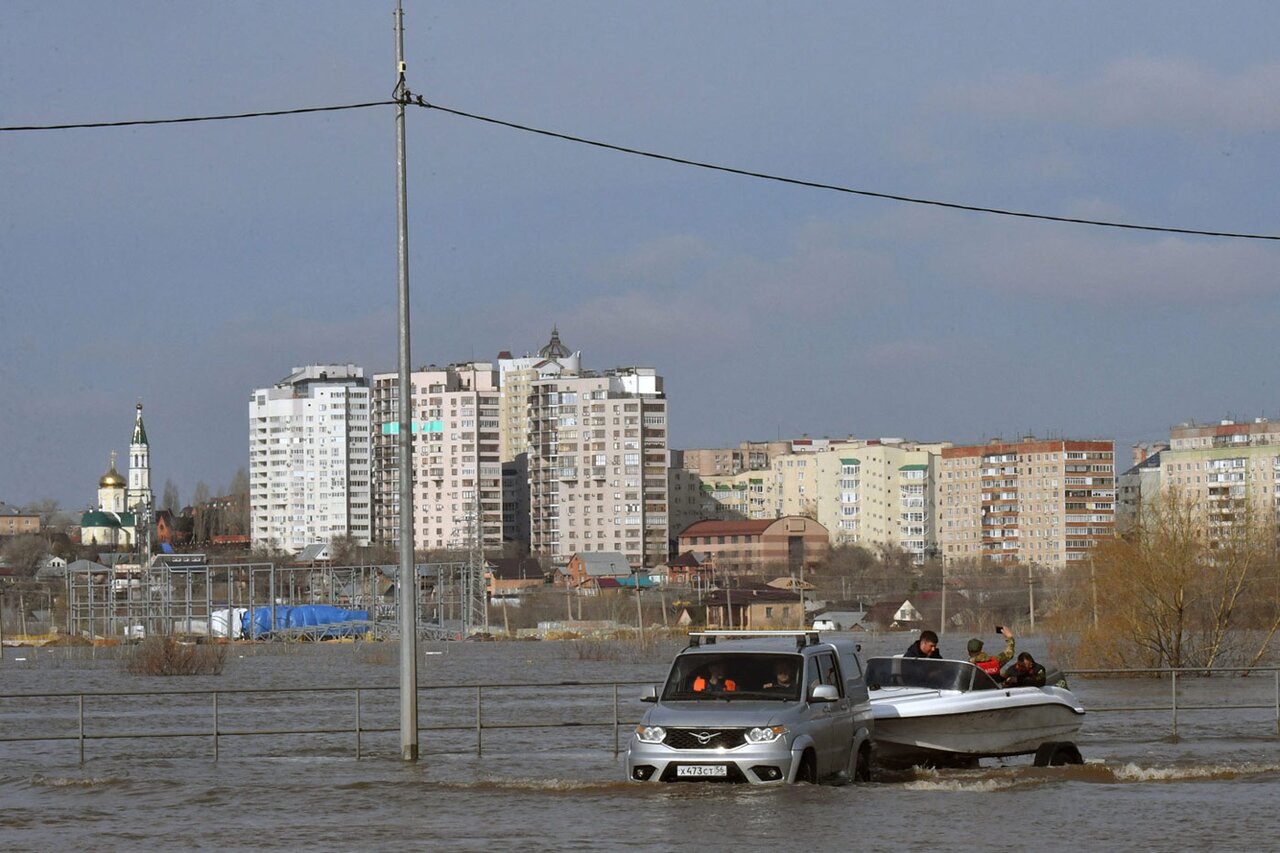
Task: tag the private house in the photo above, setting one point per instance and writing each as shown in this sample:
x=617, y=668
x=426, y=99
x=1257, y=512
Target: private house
x=587, y=566
x=689, y=569
x=512, y=577
x=755, y=607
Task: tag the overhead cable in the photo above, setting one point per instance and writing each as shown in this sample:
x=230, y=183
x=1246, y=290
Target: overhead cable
x=836, y=188
x=404, y=96
x=193, y=119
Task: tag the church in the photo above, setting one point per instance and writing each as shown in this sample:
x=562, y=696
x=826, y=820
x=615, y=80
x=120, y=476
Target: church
x=114, y=523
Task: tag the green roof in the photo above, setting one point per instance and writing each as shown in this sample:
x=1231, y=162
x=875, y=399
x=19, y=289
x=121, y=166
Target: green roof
x=850, y=461
x=914, y=468
x=98, y=518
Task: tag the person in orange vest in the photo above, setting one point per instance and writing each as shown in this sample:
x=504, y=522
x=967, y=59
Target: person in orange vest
x=985, y=662
x=714, y=681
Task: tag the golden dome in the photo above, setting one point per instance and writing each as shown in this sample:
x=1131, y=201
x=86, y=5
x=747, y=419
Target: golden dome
x=112, y=478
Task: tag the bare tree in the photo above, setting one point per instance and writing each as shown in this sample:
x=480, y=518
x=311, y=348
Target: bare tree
x=49, y=511
x=23, y=553
x=201, y=494
x=1174, y=591
x=169, y=497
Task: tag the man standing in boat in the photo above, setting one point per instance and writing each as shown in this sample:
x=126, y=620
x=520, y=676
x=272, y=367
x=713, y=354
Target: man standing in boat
x=985, y=662
x=925, y=647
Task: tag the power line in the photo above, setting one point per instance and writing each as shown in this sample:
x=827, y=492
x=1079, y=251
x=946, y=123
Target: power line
x=419, y=101
x=193, y=119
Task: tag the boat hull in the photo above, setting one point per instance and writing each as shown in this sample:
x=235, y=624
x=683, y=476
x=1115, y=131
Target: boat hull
x=936, y=728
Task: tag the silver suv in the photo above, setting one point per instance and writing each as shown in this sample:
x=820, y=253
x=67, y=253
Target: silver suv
x=759, y=707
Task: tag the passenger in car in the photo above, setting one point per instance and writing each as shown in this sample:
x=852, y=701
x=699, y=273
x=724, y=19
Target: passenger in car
x=714, y=680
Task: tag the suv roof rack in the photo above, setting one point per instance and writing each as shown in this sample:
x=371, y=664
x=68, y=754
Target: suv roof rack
x=802, y=638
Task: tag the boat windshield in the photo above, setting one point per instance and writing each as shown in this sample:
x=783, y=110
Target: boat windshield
x=734, y=676
x=928, y=673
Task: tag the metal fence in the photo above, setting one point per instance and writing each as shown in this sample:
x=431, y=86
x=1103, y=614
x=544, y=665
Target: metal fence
x=203, y=714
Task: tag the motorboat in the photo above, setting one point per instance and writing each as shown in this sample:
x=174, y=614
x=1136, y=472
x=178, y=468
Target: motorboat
x=948, y=712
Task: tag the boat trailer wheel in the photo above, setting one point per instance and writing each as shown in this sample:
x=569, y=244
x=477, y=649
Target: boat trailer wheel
x=1057, y=753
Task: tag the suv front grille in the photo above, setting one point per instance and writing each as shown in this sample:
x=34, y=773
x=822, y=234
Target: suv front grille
x=709, y=738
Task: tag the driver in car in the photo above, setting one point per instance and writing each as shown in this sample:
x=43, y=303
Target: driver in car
x=783, y=677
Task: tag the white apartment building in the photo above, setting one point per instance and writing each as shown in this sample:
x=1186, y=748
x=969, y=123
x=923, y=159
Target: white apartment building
x=457, y=493
x=597, y=457
x=309, y=465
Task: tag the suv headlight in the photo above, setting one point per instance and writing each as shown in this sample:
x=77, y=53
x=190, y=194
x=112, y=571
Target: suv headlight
x=767, y=734
x=651, y=734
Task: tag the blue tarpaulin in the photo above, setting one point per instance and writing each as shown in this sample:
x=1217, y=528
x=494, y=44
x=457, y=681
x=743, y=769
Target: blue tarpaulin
x=257, y=622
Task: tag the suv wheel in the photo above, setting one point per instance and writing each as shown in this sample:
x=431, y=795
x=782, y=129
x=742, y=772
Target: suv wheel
x=862, y=773
x=808, y=770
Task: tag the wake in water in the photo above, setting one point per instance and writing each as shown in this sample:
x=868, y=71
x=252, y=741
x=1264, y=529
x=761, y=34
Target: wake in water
x=984, y=780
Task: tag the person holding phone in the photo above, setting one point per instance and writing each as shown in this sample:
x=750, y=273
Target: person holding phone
x=985, y=662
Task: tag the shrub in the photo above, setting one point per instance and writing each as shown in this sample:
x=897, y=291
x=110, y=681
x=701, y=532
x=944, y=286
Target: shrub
x=166, y=656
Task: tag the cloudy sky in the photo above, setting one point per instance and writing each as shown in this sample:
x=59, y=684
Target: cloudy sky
x=186, y=265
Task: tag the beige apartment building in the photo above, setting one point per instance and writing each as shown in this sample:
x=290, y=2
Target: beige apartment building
x=457, y=470
x=597, y=457
x=1033, y=501
x=516, y=377
x=878, y=492
x=1224, y=468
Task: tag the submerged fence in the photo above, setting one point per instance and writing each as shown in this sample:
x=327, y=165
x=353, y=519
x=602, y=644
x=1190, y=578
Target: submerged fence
x=546, y=716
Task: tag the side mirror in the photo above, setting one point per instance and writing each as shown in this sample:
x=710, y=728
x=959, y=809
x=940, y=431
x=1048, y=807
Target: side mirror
x=650, y=694
x=824, y=693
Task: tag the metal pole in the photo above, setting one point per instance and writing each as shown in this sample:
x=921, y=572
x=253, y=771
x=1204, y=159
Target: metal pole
x=615, y=719
x=357, y=724
x=407, y=582
x=1174, y=682
x=215, y=725
x=80, y=701
x=479, y=709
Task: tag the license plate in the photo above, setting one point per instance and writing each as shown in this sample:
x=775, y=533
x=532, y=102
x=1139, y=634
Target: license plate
x=702, y=770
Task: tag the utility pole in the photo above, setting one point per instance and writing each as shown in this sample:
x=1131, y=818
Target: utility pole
x=1031, y=597
x=407, y=577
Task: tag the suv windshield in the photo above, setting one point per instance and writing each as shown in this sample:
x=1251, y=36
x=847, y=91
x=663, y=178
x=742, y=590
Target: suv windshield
x=926, y=672
x=734, y=676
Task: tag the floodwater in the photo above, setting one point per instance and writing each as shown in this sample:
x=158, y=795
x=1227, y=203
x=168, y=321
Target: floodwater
x=560, y=787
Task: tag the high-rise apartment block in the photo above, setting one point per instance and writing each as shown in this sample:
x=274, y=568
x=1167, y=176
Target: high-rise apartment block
x=597, y=460
x=1030, y=501
x=457, y=492
x=516, y=377
x=1224, y=468
x=309, y=465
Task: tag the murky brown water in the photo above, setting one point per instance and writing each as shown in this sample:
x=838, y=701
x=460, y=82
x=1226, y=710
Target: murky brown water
x=560, y=788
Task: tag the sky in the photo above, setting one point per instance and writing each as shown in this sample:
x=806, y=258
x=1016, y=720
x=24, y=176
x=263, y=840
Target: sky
x=184, y=266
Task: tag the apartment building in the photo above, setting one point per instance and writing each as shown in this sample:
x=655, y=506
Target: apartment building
x=516, y=377
x=597, y=457
x=730, y=461
x=877, y=492
x=309, y=458
x=458, y=476
x=1224, y=468
x=1034, y=501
